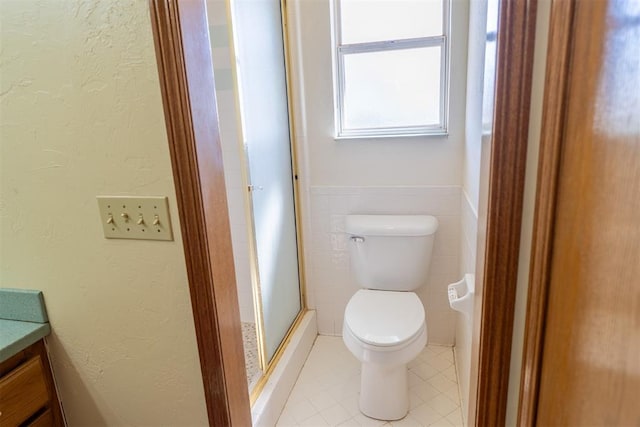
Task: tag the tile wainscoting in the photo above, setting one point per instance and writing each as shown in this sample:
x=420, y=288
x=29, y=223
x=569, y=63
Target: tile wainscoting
x=330, y=284
x=468, y=241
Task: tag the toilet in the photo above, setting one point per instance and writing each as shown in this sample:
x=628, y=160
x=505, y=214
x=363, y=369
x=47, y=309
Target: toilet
x=384, y=323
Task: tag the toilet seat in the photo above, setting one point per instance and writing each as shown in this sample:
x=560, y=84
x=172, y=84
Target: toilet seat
x=384, y=318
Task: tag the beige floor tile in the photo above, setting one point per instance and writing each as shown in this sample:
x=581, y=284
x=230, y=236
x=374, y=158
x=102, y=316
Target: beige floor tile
x=286, y=420
x=351, y=403
x=365, y=421
x=335, y=415
x=442, y=404
x=425, y=371
x=327, y=390
x=407, y=421
x=314, y=421
x=455, y=418
x=302, y=410
x=322, y=400
x=425, y=415
x=425, y=391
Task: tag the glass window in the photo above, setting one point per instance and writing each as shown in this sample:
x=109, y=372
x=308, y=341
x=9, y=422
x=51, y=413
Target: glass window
x=378, y=20
x=389, y=89
x=390, y=67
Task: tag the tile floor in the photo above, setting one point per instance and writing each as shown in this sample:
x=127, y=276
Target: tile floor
x=326, y=393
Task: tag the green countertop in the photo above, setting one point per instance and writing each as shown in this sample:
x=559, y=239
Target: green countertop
x=23, y=320
x=16, y=335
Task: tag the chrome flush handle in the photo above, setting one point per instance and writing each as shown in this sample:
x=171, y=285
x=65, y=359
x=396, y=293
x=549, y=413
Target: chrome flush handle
x=357, y=239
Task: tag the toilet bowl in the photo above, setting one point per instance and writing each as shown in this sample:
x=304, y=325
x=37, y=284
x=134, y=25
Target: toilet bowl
x=384, y=330
x=384, y=324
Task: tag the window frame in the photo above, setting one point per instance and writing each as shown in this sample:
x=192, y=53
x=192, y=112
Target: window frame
x=340, y=50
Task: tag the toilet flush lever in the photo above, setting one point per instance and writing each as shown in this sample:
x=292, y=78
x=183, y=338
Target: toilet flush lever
x=357, y=239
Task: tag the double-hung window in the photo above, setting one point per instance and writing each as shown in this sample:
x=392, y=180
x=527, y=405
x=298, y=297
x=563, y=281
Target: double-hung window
x=390, y=67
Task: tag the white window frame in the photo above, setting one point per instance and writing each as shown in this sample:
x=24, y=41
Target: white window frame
x=340, y=50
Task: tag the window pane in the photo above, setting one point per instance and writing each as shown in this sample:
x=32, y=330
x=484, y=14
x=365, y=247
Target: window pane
x=378, y=20
x=392, y=88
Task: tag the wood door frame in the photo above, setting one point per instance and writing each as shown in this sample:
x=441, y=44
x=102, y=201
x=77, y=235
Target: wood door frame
x=183, y=54
x=182, y=44
x=551, y=142
x=514, y=69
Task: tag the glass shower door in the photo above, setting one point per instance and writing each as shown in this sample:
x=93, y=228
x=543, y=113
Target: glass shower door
x=262, y=85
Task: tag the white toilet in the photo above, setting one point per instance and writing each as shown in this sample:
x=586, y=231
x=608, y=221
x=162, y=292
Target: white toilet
x=384, y=323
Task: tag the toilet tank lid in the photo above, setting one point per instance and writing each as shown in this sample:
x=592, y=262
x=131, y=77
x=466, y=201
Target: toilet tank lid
x=391, y=225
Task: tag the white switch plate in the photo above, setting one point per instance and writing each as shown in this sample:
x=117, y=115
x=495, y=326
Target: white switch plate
x=135, y=217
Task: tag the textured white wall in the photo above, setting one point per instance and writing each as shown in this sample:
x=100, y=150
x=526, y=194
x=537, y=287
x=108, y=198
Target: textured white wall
x=81, y=115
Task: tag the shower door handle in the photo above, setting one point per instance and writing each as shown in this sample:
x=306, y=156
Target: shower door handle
x=255, y=188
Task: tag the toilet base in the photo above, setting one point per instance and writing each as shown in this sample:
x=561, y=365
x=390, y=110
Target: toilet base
x=384, y=391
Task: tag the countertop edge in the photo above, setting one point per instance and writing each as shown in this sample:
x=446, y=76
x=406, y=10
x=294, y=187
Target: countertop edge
x=12, y=348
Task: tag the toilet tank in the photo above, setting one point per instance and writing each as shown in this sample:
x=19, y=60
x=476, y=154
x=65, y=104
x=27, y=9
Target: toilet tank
x=391, y=252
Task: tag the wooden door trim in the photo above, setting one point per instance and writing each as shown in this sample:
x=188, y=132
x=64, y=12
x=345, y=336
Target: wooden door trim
x=551, y=141
x=186, y=78
x=180, y=30
x=514, y=69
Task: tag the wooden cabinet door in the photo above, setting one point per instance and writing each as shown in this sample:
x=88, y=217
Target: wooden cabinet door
x=590, y=371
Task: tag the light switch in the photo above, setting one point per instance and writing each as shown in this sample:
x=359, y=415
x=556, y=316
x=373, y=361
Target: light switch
x=135, y=217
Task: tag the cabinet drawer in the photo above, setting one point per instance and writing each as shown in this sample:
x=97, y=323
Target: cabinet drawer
x=44, y=420
x=22, y=393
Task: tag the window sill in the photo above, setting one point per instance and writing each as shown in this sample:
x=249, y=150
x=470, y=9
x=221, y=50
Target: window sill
x=438, y=134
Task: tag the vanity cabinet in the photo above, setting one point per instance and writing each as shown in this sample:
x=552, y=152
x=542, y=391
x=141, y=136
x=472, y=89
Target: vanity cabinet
x=27, y=392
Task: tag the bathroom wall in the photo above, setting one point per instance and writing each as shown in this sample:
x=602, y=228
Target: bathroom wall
x=331, y=278
x=474, y=164
x=408, y=161
x=81, y=115
x=388, y=175
x=232, y=151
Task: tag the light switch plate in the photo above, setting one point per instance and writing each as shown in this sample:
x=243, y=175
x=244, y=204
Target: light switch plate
x=135, y=217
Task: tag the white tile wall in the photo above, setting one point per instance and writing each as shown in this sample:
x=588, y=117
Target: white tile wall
x=468, y=237
x=329, y=280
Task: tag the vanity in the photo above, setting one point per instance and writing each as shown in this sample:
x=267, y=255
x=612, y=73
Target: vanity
x=28, y=394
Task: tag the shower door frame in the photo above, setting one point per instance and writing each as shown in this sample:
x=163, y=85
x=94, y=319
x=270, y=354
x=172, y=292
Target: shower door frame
x=183, y=53
x=267, y=365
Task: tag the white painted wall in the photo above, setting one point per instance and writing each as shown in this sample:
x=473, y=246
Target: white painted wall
x=474, y=98
x=471, y=177
x=389, y=175
x=522, y=289
x=81, y=115
x=370, y=162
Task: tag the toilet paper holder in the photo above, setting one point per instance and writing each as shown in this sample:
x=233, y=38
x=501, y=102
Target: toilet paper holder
x=461, y=295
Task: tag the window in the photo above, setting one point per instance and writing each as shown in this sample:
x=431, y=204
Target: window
x=390, y=67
